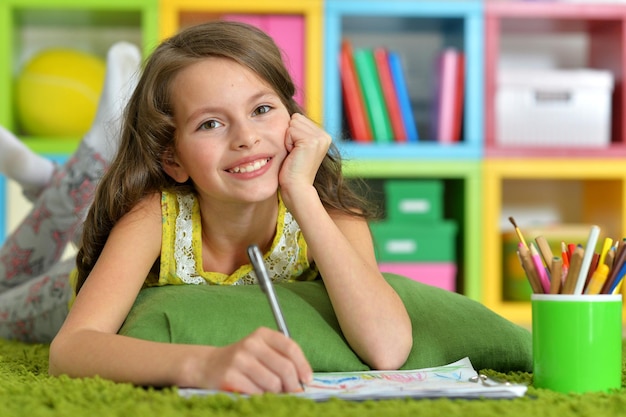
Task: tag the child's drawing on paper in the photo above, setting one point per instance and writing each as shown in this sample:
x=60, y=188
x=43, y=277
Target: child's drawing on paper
x=456, y=380
x=379, y=381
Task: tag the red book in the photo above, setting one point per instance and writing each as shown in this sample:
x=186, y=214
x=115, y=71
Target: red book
x=390, y=95
x=450, y=86
x=353, y=101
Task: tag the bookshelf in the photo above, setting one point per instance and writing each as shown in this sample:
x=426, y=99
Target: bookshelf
x=483, y=181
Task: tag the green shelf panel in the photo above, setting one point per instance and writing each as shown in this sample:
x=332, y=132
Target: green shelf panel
x=465, y=178
x=32, y=24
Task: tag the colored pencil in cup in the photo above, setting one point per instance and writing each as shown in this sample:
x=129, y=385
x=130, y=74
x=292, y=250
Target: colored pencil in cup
x=592, y=240
x=564, y=254
x=544, y=249
x=575, y=264
x=529, y=269
x=518, y=231
x=556, y=269
x=540, y=268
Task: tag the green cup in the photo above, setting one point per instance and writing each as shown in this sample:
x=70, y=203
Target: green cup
x=577, y=342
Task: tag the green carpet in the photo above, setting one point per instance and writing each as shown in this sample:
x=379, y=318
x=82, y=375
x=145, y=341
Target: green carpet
x=27, y=390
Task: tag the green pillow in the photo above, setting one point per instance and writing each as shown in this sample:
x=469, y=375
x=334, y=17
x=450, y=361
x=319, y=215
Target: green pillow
x=446, y=326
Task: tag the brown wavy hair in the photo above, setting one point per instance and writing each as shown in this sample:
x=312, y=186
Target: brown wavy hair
x=148, y=131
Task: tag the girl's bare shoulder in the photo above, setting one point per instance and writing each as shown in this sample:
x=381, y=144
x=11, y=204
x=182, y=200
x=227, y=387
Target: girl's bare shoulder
x=146, y=210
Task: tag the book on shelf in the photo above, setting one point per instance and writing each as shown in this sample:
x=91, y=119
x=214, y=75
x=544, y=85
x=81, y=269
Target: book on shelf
x=374, y=89
x=447, y=118
x=353, y=102
x=390, y=94
x=402, y=92
x=373, y=95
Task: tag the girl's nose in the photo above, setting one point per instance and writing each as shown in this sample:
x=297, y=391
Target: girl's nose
x=245, y=136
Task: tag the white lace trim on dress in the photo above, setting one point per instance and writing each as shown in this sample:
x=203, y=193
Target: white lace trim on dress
x=183, y=247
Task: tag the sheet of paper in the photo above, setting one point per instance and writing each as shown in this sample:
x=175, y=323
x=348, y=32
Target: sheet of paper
x=455, y=380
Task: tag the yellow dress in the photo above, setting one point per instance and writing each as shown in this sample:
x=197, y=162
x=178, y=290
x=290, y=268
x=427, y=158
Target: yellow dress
x=181, y=248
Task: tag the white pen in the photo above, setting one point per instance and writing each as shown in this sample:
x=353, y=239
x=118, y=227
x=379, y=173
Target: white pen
x=256, y=258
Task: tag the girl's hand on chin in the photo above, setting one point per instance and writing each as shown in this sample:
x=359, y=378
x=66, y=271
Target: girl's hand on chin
x=306, y=145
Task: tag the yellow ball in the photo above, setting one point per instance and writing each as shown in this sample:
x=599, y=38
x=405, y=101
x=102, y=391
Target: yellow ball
x=57, y=92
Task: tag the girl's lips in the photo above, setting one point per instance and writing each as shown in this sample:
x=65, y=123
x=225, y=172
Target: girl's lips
x=249, y=167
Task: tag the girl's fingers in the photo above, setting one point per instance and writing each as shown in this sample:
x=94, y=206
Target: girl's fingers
x=284, y=358
x=265, y=361
x=290, y=363
x=304, y=138
x=303, y=128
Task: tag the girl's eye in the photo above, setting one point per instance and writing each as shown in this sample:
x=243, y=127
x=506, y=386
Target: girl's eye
x=210, y=124
x=262, y=109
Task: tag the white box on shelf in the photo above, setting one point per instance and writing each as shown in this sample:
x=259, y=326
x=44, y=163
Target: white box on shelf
x=553, y=108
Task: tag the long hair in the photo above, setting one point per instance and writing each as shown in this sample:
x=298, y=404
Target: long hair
x=148, y=130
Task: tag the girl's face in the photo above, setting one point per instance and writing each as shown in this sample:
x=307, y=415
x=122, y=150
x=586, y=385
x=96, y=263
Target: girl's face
x=230, y=131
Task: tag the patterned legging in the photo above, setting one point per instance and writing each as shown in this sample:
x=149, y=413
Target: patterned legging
x=34, y=286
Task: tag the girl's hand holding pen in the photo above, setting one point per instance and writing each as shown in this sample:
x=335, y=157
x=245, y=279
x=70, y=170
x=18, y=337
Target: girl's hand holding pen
x=264, y=361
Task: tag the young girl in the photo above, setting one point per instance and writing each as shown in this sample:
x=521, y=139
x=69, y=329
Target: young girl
x=34, y=287
x=216, y=155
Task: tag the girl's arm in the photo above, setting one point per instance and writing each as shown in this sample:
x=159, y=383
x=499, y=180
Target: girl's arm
x=88, y=343
x=370, y=313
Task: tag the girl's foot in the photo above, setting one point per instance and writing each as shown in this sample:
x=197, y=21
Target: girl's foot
x=21, y=164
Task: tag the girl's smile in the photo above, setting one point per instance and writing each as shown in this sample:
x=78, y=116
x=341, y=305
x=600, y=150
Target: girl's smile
x=250, y=166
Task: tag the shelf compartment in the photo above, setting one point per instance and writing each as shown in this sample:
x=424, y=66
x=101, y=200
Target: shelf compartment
x=462, y=183
x=587, y=191
x=403, y=26
x=565, y=35
x=31, y=25
x=177, y=14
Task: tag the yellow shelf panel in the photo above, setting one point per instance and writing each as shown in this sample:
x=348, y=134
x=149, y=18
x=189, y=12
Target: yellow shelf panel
x=557, y=168
x=601, y=200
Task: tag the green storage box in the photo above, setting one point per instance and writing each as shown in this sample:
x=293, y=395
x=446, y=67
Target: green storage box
x=414, y=200
x=429, y=242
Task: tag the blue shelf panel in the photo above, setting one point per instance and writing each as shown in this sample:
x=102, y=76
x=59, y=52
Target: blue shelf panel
x=429, y=9
x=439, y=18
x=419, y=151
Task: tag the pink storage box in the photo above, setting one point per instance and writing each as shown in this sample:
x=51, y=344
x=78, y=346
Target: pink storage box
x=442, y=275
